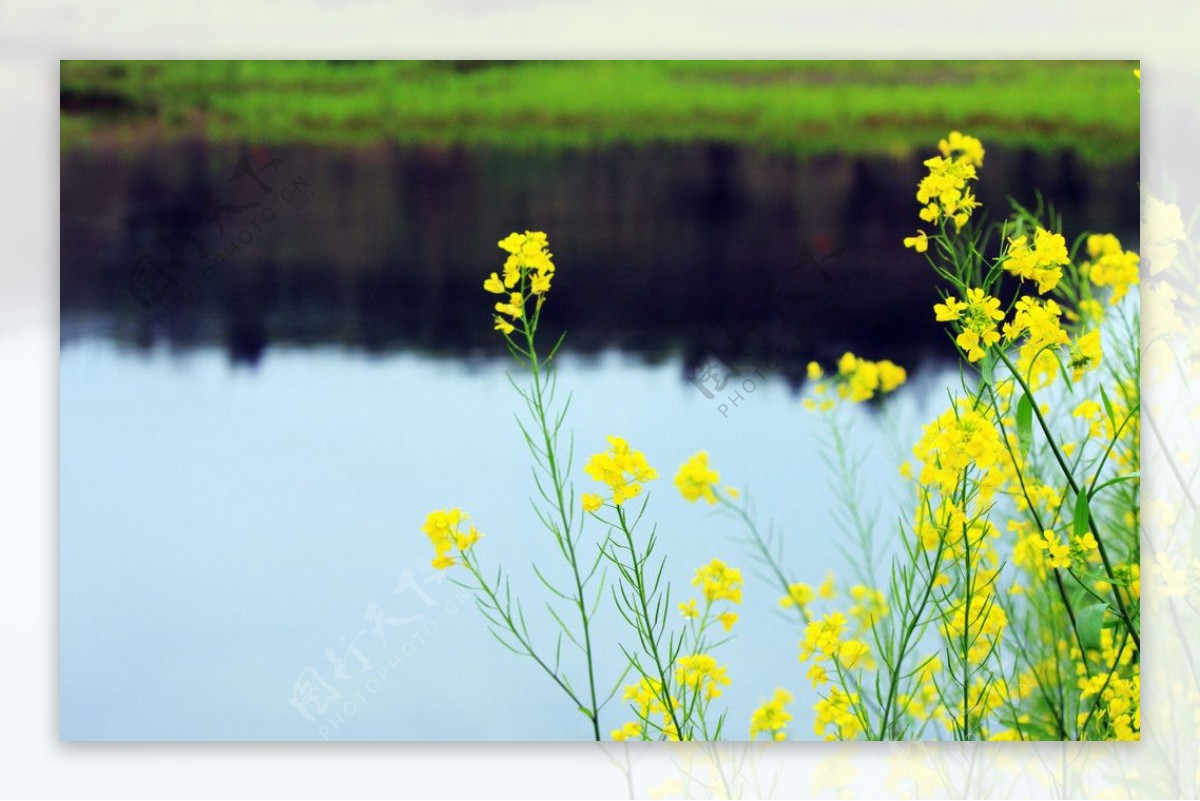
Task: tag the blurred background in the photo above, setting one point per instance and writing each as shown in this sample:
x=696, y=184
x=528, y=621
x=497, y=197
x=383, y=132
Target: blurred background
x=277, y=355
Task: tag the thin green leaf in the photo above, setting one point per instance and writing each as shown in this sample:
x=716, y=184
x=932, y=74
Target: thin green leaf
x=1024, y=424
x=1108, y=407
x=1082, y=514
x=1090, y=619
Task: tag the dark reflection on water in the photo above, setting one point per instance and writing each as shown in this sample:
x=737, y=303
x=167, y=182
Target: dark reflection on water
x=701, y=250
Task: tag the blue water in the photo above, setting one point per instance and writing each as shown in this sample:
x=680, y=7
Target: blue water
x=222, y=527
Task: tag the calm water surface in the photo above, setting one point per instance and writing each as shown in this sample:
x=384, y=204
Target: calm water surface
x=249, y=445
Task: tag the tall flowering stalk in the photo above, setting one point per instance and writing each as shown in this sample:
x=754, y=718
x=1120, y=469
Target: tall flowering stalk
x=523, y=285
x=676, y=678
x=1070, y=504
x=1010, y=604
x=677, y=675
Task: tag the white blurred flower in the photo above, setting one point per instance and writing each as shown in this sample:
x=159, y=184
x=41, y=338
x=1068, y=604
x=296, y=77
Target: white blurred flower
x=1174, y=578
x=1162, y=227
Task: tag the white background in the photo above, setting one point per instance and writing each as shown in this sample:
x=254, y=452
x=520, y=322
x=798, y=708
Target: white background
x=35, y=35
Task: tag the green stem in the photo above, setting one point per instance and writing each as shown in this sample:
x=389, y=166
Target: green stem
x=651, y=642
x=764, y=551
x=564, y=517
x=512, y=627
x=909, y=630
x=1062, y=463
x=1037, y=519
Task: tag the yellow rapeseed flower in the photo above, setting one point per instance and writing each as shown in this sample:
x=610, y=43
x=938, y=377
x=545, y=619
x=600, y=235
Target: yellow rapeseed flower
x=837, y=710
x=1058, y=554
x=945, y=194
x=857, y=380
x=622, y=469
x=977, y=315
x=494, y=285
x=799, y=595
x=967, y=147
x=647, y=697
x=852, y=653
x=514, y=308
x=919, y=243
x=444, y=527
x=1110, y=265
x=1037, y=323
x=771, y=718
x=719, y=582
x=697, y=480
x=1086, y=353
x=529, y=265
x=1042, y=262
x=822, y=637
x=701, y=674
x=630, y=731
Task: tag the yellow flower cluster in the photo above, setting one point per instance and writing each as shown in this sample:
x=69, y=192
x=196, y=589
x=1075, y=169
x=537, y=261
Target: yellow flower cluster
x=1027, y=552
x=1118, y=711
x=771, y=718
x=821, y=637
x=958, y=144
x=719, y=582
x=856, y=380
x=1063, y=553
x=977, y=315
x=800, y=595
x=647, y=698
x=1042, y=263
x=976, y=468
x=701, y=674
x=869, y=605
x=444, y=529
x=630, y=731
x=945, y=194
x=697, y=480
x=1123, y=708
x=823, y=642
x=981, y=464
x=919, y=243
x=622, y=469
x=1110, y=265
x=1086, y=353
x=1038, y=321
x=837, y=710
x=1058, y=553
x=959, y=439
x=528, y=269
x=950, y=524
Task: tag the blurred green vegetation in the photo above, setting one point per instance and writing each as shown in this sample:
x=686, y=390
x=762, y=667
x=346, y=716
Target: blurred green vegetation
x=805, y=107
